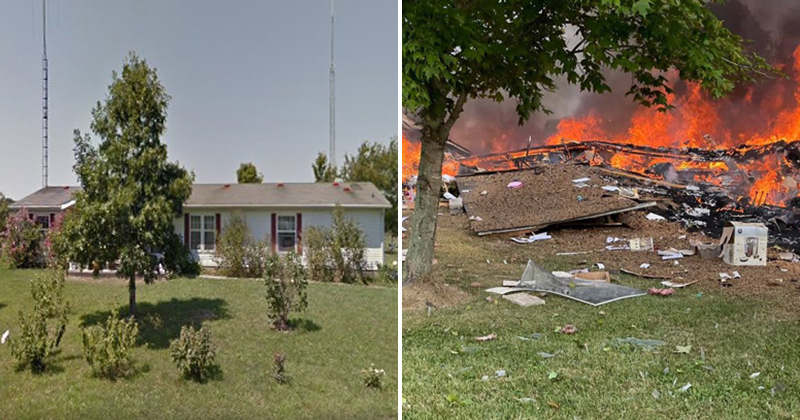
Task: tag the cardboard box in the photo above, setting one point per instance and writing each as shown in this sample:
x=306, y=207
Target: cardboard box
x=744, y=243
x=599, y=276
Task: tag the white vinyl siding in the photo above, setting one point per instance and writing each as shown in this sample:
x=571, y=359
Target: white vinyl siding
x=259, y=221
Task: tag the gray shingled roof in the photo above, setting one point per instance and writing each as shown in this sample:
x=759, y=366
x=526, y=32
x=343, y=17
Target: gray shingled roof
x=51, y=198
x=347, y=194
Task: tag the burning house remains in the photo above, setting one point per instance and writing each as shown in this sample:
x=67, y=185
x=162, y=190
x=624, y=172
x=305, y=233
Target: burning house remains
x=705, y=162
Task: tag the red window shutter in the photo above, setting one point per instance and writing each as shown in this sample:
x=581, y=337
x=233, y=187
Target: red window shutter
x=274, y=232
x=219, y=226
x=186, y=228
x=300, y=233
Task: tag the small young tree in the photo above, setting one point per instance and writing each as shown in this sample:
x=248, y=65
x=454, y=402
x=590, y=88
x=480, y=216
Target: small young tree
x=131, y=193
x=286, y=282
x=20, y=242
x=238, y=254
x=38, y=336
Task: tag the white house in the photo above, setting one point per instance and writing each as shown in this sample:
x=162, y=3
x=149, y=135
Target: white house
x=276, y=212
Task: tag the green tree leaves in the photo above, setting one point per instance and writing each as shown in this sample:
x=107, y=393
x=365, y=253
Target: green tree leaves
x=248, y=174
x=131, y=193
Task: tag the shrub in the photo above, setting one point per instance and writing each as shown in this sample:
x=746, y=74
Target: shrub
x=337, y=254
x=38, y=337
x=20, y=242
x=238, y=254
x=107, y=348
x=178, y=258
x=194, y=353
x=373, y=377
x=279, y=368
x=285, y=279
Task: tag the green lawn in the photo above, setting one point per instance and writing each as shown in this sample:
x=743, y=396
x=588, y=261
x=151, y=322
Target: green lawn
x=344, y=330
x=591, y=376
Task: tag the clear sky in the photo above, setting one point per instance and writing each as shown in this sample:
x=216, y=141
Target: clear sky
x=248, y=80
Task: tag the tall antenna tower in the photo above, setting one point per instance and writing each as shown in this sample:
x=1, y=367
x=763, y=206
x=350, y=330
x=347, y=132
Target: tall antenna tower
x=332, y=146
x=44, y=96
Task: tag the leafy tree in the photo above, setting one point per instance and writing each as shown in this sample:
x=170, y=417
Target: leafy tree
x=456, y=50
x=376, y=163
x=323, y=172
x=4, y=203
x=131, y=193
x=248, y=174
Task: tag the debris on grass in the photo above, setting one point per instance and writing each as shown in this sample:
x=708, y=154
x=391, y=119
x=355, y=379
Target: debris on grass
x=569, y=329
x=677, y=285
x=524, y=299
x=661, y=292
x=755, y=375
x=537, y=279
x=683, y=349
x=655, y=217
x=645, y=345
x=514, y=184
x=656, y=394
x=686, y=387
x=545, y=355
x=532, y=238
x=486, y=337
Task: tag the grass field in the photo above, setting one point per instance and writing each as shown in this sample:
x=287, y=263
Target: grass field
x=344, y=330
x=743, y=362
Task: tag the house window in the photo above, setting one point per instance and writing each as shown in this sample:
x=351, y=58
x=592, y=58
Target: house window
x=287, y=233
x=43, y=222
x=202, y=232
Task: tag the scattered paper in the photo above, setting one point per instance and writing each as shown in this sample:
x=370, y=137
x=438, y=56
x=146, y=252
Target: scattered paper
x=533, y=238
x=736, y=275
x=677, y=285
x=574, y=253
x=449, y=196
x=5, y=337
x=600, y=266
x=683, y=349
x=581, y=180
x=641, y=244
x=724, y=276
x=486, y=337
x=686, y=387
x=484, y=192
x=653, y=216
x=514, y=184
x=755, y=375
x=645, y=266
x=448, y=178
x=611, y=188
x=476, y=218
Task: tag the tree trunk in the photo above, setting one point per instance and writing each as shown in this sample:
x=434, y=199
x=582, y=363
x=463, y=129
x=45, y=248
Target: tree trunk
x=419, y=261
x=132, y=293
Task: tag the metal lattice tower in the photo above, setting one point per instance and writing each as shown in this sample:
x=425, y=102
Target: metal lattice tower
x=332, y=146
x=44, y=97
